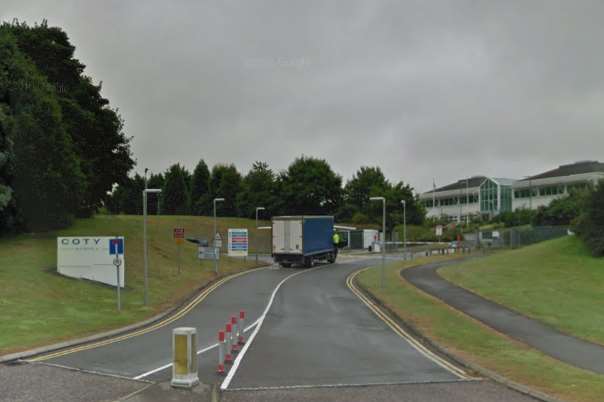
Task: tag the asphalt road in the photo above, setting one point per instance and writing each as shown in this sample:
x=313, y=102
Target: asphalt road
x=569, y=349
x=140, y=354
x=317, y=341
x=318, y=333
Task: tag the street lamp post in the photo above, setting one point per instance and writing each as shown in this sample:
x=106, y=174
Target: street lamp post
x=216, y=252
x=145, y=248
x=404, y=228
x=258, y=209
x=383, y=245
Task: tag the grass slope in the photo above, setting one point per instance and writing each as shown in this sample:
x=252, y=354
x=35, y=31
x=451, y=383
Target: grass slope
x=477, y=343
x=38, y=306
x=557, y=282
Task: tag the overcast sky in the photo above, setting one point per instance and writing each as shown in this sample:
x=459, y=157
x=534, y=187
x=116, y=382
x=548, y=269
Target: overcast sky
x=424, y=89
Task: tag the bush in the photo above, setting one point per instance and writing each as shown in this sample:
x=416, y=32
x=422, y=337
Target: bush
x=590, y=224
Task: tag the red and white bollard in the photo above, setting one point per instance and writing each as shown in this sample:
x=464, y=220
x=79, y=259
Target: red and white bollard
x=241, y=339
x=235, y=334
x=229, y=341
x=220, y=369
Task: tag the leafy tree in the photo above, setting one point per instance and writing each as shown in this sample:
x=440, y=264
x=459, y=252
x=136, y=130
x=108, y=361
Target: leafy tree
x=175, y=194
x=96, y=130
x=47, y=182
x=200, y=187
x=153, y=200
x=561, y=211
x=7, y=197
x=225, y=182
x=365, y=182
x=415, y=210
x=258, y=189
x=126, y=198
x=309, y=186
x=590, y=224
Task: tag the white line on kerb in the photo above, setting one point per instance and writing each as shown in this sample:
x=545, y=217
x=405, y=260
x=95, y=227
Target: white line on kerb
x=200, y=351
x=233, y=370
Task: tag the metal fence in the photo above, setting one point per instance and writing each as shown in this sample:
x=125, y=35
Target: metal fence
x=514, y=237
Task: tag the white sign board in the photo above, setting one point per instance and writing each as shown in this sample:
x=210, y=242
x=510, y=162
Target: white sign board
x=439, y=230
x=208, y=253
x=217, y=240
x=91, y=257
x=238, y=242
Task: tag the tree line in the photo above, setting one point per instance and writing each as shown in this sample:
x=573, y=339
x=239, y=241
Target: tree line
x=62, y=146
x=308, y=186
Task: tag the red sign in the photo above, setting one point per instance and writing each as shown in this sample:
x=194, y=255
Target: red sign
x=179, y=233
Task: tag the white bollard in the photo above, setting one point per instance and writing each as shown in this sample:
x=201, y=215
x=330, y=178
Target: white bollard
x=229, y=340
x=235, y=333
x=184, y=349
x=220, y=369
x=241, y=339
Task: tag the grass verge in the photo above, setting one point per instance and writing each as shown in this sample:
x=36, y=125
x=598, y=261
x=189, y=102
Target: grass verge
x=557, y=282
x=39, y=306
x=476, y=343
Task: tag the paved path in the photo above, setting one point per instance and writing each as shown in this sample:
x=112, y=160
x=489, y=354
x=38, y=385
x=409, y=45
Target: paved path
x=569, y=349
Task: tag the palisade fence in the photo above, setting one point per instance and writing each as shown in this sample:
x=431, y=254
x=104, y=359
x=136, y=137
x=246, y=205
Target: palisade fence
x=514, y=237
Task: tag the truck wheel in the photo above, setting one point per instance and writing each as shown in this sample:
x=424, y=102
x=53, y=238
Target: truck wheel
x=331, y=258
x=286, y=264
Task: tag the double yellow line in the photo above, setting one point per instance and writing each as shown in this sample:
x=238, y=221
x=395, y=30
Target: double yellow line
x=400, y=331
x=179, y=314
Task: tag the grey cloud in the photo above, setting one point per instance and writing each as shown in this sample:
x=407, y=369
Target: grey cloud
x=424, y=89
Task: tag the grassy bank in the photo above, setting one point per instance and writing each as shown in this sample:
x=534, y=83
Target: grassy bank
x=38, y=306
x=479, y=344
x=557, y=282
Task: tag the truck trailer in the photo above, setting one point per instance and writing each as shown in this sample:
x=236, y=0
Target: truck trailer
x=303, y=240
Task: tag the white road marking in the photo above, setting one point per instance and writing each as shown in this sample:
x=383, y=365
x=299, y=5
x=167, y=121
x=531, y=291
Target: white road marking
x=200, y=351
x=227, y=381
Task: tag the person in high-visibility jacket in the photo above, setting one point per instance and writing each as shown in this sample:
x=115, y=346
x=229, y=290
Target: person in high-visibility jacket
x=336, y=239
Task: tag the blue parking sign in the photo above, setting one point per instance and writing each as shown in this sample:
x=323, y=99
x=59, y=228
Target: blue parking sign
x=116, y=246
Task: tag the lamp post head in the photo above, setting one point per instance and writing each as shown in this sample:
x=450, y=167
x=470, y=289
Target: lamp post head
x=377, y=199
x=152, y=190
x=260, y=208
x=404, y=203
x=218, y=199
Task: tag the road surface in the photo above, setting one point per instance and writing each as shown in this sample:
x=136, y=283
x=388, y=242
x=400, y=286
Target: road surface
x=316, y=340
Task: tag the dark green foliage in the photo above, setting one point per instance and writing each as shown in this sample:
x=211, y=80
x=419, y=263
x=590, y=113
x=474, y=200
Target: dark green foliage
x=561, y=211
x=96, y=130
x=153, y=200
x=370, y=182
x=175, y=193
x=590, y=225
x=366, y=182
x=310, y=187
x=519, y=217
x=225, y=182
x=258, y=189
x=7, y=160
x=127, y=198
x=200, y=187
x=47, y=182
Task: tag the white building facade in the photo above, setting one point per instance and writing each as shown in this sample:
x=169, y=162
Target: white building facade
x=540, y=190
x=488, y=196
